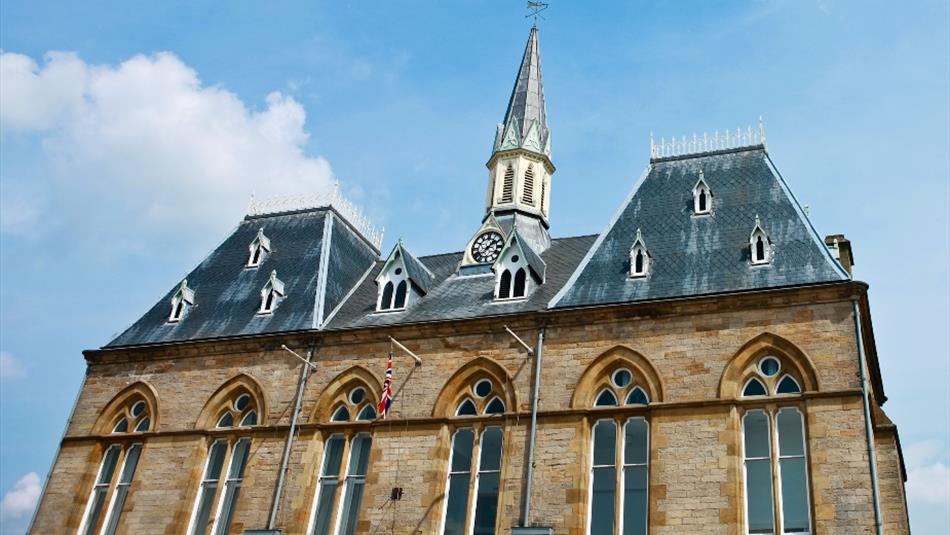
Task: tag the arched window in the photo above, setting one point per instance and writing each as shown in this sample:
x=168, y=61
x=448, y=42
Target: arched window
x=182, y=300
x=769, y=375
x=346, y=452
x=508, y=185
x=400, y=300
x=639, y=257
x=618, y=497
x=760, y=247
x=271, y=294
x=528, y=195
x=122, y=453
x=504, y=285
x=385, y=302
x=702, y=197
x=521, y=277
x=481, y=478
x=223, y=473
x=484, y=397
x=776, y=474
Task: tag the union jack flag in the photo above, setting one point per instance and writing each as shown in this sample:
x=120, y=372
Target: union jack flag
x=386, y=397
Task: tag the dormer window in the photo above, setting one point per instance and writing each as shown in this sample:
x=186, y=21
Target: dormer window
x=395, y=290
x=639, y=258
x=512, y=286
x=271, y=294
x=760, y=246
x=702, y=196
x=518, y=269
x=183, y=299
x=258, y=249
x=402, y=280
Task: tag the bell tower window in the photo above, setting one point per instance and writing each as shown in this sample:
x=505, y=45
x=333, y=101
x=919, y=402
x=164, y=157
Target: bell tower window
x=639, y=258
x=508, y=185
x=528, y=196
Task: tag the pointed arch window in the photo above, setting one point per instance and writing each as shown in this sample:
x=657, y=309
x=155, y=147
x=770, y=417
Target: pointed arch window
x=182, y=301
x=485, y=398
x=474, y=469
x=223, y=473
x=504, y=285
x=399, y=300
x=271, y=294
x=639, y=258
x=760, y=246
x=395, y=292
x=702, y=196
x=508, y=185
x=619, y=479
x=528, y=194
x=258, y=249
x=124, y=456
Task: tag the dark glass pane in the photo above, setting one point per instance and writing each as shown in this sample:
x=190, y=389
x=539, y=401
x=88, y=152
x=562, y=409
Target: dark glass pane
x=386, y=302
x=467, y=408
x=143, y=425
x=759, y=249
x=495, y=406
x=622, y=378
x=108, y=465
x=368, y=413
x=635, y=500
x=351, y=507
x=359, y=455
x=227, y=420
x=606, y=399
x=759, y=495
x=342, y=414
x=249, y=419
x=790, y=438
x=787, y=386
x=98, y=500
x=637, y=397
x=756, y=434
x=131, y=461
x=754, y=388
x=486, y=503
x=605, y=443
x=400, y=295
x=239, y=458
x=635, y=442
x=231, y=491
x=333, y=456
x=504, y=286
x=216, y=460
x=702, y=201
x=769, y=366
x=462, y=450
x=138, y=408
x=520, y=280
x=794, y=495
x=242, y=402
x=203, y=513
x=121, y=427
x=112, y=523
x=458, y=501
x=602, y=502
x=639, y=263
x=483, y=388
x=357, y=395
x=321, y=525
x=491, y=449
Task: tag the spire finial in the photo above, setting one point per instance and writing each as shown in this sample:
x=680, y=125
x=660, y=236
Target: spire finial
x=534, y=10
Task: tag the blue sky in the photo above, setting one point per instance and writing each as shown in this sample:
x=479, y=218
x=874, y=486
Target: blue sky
x=133, y=134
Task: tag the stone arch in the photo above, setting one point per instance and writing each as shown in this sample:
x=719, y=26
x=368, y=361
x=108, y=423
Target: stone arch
x=459, y=385
x=340, y=386
x=599, y=371
x=120, y=403
x=242, y=383
x=742, y=365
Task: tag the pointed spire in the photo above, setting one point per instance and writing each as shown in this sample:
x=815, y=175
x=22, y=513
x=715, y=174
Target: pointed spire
x=526, y=105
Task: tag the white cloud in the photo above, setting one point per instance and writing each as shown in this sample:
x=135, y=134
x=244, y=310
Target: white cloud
x=928, y=477
x=10, y=366
x=21, y=499
x=142, y=146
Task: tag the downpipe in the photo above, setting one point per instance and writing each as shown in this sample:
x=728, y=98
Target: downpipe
x=869, y=430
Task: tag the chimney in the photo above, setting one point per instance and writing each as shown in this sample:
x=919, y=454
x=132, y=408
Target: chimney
x=841, y=248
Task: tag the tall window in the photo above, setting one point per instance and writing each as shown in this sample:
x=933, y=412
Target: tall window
x=776, y=478
x=508, y=185
x=528, y=195
x=344, y=466
x=223, y=472
x=618, y=497
x=513, y=287
x=123, y=454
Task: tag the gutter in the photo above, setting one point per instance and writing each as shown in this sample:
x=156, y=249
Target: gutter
x=869, y=431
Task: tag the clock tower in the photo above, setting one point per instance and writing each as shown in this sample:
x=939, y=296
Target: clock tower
x=519, y=169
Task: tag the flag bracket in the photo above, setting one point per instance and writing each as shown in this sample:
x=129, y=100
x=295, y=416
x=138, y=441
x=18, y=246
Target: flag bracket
x=294, y=353
x=404, y=348
x=520, y=341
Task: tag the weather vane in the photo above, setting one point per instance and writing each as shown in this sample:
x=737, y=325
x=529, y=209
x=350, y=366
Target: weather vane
x=535, y=9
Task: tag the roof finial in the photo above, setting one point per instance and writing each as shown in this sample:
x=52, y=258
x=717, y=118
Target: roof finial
x=534, y=10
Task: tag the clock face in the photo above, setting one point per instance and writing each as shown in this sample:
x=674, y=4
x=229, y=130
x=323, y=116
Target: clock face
x=487, y=247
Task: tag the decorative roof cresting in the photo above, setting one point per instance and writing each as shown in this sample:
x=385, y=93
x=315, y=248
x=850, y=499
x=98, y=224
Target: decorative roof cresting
x=333, y=199
x=725, y=140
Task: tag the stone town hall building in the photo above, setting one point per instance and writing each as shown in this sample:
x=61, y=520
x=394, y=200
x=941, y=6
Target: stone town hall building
x=706, y=364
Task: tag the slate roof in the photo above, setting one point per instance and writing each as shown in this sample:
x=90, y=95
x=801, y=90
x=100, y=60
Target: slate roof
x=228, y=293
x=526, y=104
x=702, y=255
x=454, y=297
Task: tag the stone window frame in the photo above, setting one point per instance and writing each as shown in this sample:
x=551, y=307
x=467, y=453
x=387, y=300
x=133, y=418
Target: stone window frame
x=620, y=466
x=744, y=364
x=475, y=472
x=772, y=410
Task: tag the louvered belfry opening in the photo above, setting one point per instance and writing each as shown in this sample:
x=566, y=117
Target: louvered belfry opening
x=508, y=185
x=528, y=196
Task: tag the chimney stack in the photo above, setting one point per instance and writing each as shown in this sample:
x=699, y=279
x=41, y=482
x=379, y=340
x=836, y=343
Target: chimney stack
x=841, y=248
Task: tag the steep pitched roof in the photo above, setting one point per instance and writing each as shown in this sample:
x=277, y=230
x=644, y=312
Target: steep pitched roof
x=317, y=255
x=417, y=272
x=532, y=258
x=702, y=255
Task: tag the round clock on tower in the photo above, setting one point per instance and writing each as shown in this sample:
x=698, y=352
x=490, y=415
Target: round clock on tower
x=486, y=247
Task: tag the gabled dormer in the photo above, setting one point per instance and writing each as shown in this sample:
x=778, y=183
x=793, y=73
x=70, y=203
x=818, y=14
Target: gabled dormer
x=702, y=196
x=182, y=301
x=639, y=258
x=402, y=280
x=271, y=294
x=518, y=270
x=761, y=248
x=258, y=249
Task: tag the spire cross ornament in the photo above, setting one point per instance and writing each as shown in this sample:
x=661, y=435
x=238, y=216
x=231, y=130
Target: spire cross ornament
x=535, y=9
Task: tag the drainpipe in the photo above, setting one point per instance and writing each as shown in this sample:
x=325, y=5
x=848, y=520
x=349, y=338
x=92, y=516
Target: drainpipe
x=285, y=458
x=872, y=457
x=536, y=391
